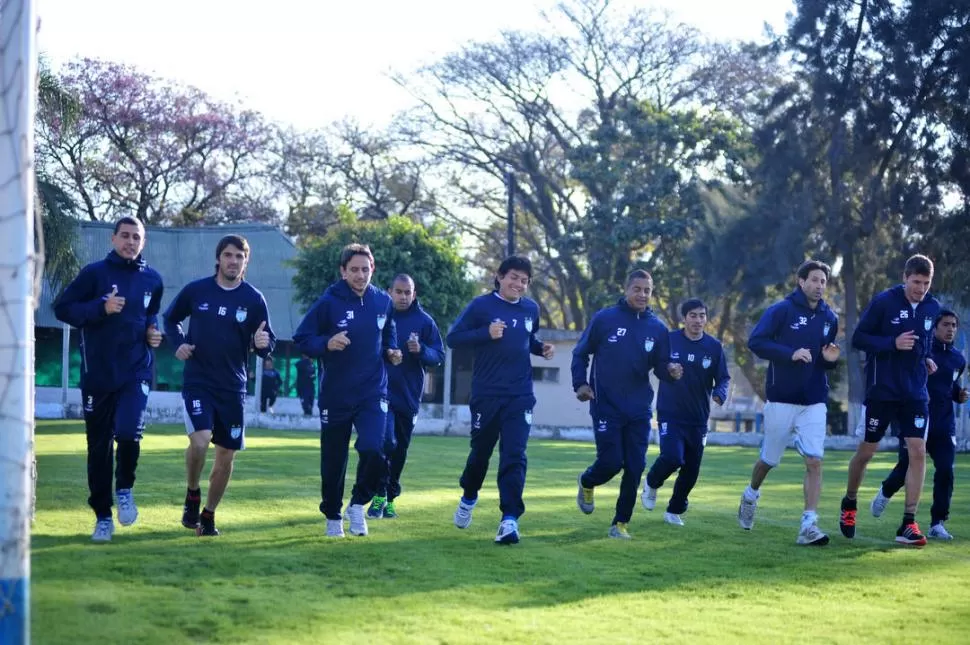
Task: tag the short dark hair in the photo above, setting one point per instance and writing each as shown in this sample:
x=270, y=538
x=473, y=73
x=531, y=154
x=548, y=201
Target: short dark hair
x=691, y=305
x=918, y=265
x=349, y=251
x=401, y=277
x=637, y=274
x=514, y=263
x=127, y=219
x=945, y=313
x=813, y=265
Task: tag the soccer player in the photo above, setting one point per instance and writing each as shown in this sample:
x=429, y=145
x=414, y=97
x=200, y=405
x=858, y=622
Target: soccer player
x=944, y=389
x=305, y=382
x=501, y=327
x=896, y=332
x=626, y=341
x=272, y=382
x=350, y=330
x=684, y=408
x=228, y=317
x=115, y=303
x=405, y=387
x=797, y=336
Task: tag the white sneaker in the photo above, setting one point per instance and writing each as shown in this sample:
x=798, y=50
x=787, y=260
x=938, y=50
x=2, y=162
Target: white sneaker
x=127, y=511
x=673, y=518
x=811, y=535
x=648, y=497
x=463, y=514
x=939, y=532
x=879, y=503
x=746, y=512
x=103, y=530
x=335, y=528
x=358, y=523
x=508, y=532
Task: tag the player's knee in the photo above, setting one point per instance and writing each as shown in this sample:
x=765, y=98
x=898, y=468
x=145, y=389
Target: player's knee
x=813, y=464
x=199, y=440
x=916, y=450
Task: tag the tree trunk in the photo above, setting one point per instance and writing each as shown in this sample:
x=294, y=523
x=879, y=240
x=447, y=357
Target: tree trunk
x=854, y=358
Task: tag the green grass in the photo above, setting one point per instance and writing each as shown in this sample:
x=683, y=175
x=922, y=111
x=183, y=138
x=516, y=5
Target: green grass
x=273, y=578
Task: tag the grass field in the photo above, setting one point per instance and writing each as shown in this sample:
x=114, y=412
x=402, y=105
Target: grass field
x=273, y=578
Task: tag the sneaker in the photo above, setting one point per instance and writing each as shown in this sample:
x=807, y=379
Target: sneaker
x=190, y=514
x=508, y=532
x=358, y=523
x=463, y=514
x=879, y=503
x=620, y=532
x=335, y=528
x=389, y=512
x=811, y=535
x=847, y=518
x=584, y=497
x=103, y=530
x=127, y=511
x=673, y=518
x=376, y=510
x=648, y=498
x=746, y=512
x=939, y=532
x=910, y=535
x=207, y=526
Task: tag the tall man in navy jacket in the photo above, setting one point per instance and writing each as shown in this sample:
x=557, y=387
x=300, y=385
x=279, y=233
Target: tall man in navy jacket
x=350, y=330
x=684, y=408
x=228, y=317
x=115, y=303
x=626, y=342
x=797, y=336
x=501, y=327
x=405, y=387
x=896, y=332
x=944, y=389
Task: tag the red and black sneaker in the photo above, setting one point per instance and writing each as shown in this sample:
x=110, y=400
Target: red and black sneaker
x=207, y=524
x=847, y=518
x=910, y=535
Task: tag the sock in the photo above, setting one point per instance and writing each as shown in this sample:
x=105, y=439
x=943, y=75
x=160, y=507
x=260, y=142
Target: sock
x=750, y=493
x=509, y=517
x=809, y=518
x=909, y=518
x=193, y=496
x=208, y=516
x=848, y=504
x=468, y=502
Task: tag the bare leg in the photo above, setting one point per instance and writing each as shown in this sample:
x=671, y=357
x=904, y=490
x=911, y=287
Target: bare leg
x=813, y=482
x=219, y=477
x=857, y=467
x=195, y=456
x=759, y=473
x=915, y=473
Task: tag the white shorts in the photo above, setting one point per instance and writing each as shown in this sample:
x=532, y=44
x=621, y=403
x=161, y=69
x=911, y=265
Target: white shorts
x=805, y=422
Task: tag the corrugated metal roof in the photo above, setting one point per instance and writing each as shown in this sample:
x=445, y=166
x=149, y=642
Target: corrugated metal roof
x=182, y=255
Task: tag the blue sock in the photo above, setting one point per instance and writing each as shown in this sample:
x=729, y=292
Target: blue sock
x=468, y=502
x=510, y=517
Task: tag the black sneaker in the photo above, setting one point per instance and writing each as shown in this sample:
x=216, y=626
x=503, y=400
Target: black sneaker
x=910, y=535
x=847, y=518
x=207, y=526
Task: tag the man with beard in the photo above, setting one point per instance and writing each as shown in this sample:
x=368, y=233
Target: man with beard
x=228, y=317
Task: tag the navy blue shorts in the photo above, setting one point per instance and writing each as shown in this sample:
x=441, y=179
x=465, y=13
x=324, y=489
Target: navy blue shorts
x=218, y=411
x=910, y=418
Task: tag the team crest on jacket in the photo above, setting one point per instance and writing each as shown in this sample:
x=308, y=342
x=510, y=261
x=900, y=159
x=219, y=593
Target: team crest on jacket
x=826, y=329
x=241, y=314
x=706, y=362
x=927, y=323
x=148, y=299
x=528, y=325
x=381, y=320
x=648, y=345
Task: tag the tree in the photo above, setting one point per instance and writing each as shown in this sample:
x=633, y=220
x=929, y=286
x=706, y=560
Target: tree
x=399, y=246
x=593, y=117
x=149, y=148
x=854, y=148
x=57, y=209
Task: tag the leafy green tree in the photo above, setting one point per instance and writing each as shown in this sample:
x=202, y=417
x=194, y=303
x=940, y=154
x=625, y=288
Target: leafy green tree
x=399, y=245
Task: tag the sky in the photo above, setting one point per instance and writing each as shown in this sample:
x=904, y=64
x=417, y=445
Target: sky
x=309, y=63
